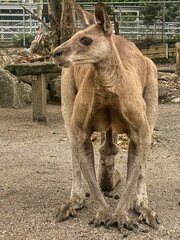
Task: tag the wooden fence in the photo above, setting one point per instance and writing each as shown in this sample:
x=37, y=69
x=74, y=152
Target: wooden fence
x=158, y=50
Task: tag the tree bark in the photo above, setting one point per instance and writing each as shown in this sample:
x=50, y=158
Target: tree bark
x=54, y=14
x=39, y=10
x=177, y=72
x=68, y=27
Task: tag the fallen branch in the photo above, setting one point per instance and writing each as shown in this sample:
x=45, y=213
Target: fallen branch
x=167, y=70
x=35, y=16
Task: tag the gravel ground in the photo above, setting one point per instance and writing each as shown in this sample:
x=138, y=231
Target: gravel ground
x=35, y=174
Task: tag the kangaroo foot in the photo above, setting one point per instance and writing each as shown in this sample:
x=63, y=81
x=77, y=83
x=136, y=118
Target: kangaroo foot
x=65, y=211
x=146, y=214
x=101, y=218
x=150, y=217
x=108, y=180
x=69, y=209
x=122, y=222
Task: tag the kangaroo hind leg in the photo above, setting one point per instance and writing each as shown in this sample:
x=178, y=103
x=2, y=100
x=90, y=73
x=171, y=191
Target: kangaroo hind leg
x=150, y=95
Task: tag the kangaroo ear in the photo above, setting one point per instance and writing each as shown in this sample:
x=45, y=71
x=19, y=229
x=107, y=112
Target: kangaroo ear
x=103, y=19
x=85, y=17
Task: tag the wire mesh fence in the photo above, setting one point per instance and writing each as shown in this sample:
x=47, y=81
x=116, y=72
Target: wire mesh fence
x=128, y=19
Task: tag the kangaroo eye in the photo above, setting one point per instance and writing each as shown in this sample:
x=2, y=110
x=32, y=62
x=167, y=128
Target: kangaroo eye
x=86, y=41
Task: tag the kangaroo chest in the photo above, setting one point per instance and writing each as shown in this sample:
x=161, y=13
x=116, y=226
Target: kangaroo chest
x=99, y=110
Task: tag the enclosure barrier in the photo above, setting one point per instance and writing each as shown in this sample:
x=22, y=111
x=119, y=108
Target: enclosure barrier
x=127, y=18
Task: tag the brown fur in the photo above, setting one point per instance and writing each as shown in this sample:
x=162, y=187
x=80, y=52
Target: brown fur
x=107, y=86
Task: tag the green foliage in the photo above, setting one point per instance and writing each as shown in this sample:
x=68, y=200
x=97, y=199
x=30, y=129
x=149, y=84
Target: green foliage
x=18, y=40
x=172, y=11
x=151, y=12
x=176, y=38
x=154, y=11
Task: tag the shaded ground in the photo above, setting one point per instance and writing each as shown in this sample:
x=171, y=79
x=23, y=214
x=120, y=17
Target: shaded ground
x=35, y=179
x=169, y=82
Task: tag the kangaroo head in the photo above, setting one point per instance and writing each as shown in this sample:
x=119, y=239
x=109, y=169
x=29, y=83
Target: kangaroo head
x=89, y=45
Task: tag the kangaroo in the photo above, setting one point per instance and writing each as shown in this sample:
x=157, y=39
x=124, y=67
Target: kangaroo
x=107, y=86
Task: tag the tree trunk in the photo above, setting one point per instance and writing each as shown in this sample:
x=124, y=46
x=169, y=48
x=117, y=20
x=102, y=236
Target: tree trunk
x=39, y=11
x=177, y=59
x=54, y=14
x=68, y=27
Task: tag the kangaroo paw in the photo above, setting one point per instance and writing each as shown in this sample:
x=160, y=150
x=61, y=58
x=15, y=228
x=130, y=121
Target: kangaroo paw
x=65, y=211
x=69, y=209
x=150, y=217
x=122, y=222
x=101, y=218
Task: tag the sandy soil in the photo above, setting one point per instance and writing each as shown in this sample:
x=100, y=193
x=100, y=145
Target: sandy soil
x=35, y=179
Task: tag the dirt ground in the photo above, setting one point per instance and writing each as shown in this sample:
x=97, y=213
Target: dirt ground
x=35, y=179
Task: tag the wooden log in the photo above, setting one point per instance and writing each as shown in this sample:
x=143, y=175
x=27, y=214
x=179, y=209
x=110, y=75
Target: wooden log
x=167, y=70
x=33, y=68
x=177, y=72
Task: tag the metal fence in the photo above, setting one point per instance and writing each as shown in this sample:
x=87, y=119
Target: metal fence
x=127, y=18
x=14, y=20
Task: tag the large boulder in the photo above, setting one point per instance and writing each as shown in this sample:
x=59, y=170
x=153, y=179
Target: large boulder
x=26, y=93
x=162, y=92
x=27, y=78
x=55, y=87
x=10, y=90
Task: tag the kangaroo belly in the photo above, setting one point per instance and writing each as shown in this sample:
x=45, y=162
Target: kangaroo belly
x=101, y=121
x=106, y=119
x=118, y=126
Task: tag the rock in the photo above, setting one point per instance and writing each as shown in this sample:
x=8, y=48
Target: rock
x=27, y=78
x=55, y=87
x=163, y=76
x=168, y=77
x=10, y=90
x=175, y=78
x=8, y=56
x=49, y=95
x=26, y=92
x=162, y=92
x=51, y=76
x=176, y=100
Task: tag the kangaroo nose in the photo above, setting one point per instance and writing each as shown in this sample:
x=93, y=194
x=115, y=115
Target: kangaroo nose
x=58, y=53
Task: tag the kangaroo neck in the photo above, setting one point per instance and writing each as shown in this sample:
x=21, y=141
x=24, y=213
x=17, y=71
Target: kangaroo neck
x=109, y=69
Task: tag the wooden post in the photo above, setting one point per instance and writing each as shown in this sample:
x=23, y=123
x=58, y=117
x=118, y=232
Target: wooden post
x=167, y=51
x=177, y=71
x=39, y=71
x=39, y=98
